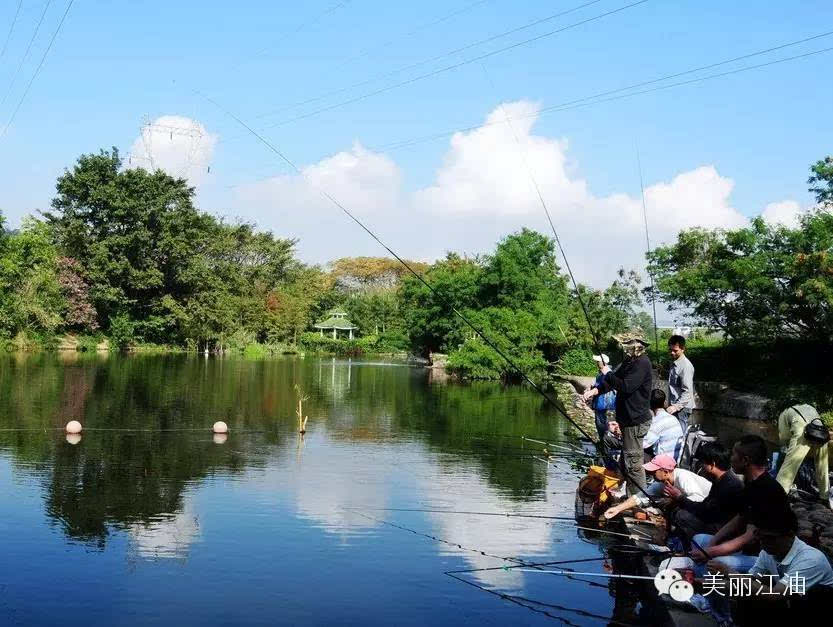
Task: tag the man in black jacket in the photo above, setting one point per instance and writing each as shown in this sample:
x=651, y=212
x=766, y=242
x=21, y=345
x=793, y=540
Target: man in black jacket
x=632, y=381
x=723, y=501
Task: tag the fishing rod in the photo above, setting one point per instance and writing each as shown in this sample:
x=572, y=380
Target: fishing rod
x=564, y=447
x=580, y=560
x=632, y=536
x=524, y=602
x=525, y=376
x=549, y=218
x=448, y=511
x=567, y=573
x=648, y=250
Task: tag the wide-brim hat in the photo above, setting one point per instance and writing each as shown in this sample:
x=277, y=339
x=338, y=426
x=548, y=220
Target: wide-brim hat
x=633, y=335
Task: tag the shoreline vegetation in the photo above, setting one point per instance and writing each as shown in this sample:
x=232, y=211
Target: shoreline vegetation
x=124, y=260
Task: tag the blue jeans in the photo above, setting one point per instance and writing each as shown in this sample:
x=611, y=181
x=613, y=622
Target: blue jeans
x=683, y=417
x=601, y=423
x=736, y=563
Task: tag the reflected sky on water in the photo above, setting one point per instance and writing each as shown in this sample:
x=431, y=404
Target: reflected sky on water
x=150, y=519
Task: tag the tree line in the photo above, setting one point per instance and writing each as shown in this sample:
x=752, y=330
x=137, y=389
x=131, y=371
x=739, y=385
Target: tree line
x=125, y=254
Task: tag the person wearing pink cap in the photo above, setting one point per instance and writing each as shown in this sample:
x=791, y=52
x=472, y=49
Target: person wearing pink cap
x=669, y=482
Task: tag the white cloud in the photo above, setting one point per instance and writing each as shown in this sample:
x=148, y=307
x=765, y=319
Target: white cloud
x=481, y=192
x=180, y=146
x=786, y=213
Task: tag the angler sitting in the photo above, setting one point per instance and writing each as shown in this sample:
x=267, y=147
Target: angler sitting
x=664, y=437
x=710, y=514
x=735, y=544
x=669, y=481
x=789, y=579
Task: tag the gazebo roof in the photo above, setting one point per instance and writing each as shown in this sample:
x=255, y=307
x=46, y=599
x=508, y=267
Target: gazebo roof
x=337, y=320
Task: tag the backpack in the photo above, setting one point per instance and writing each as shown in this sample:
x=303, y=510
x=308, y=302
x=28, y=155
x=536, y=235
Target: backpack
x=694, y=439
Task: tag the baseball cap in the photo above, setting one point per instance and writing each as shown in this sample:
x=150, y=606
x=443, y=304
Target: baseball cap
x=665, y=462
x=602, y=358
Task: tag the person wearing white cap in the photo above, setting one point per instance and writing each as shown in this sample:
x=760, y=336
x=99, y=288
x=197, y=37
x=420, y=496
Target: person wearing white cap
x=601, y=404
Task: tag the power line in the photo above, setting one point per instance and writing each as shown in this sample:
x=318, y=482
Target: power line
x=414, y=31
x=597, y=97
x=313, y=20
x=11, y=28
x=26, y=54
x=37, y=70
x=454, y=66
x=412, y=66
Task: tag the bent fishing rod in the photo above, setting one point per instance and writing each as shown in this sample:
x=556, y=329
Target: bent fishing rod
x=475, y=329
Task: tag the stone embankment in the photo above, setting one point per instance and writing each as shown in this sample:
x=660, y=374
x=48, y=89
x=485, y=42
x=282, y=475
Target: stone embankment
x=709, y=396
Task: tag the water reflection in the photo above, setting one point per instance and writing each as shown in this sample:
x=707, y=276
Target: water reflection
x=165, y=538
x=149, y=482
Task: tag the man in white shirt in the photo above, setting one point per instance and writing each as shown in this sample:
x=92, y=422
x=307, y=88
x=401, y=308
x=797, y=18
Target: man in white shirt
x=788, y=576
x=665, y=434
x=669, y=481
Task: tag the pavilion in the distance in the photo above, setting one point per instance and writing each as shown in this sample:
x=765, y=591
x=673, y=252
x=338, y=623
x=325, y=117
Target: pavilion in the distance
x=336, y=322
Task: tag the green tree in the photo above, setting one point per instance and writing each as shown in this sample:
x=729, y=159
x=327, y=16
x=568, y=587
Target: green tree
x=135, y=232
x=821, y=181
x=755, y=283
x=429, y=316
x=31, y=298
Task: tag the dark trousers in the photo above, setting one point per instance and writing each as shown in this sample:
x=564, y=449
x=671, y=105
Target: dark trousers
x=632, y=455
x=688, y=525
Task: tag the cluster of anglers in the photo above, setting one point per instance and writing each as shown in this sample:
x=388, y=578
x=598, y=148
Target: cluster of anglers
x=733, y=516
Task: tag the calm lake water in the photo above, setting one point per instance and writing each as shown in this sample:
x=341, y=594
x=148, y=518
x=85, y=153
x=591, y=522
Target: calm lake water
x=148, y=520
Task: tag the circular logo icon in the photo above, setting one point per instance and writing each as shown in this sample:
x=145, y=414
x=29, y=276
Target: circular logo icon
x=665, y=578
x=681, y=591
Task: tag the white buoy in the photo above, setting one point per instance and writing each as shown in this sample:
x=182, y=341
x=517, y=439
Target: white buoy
x=73, y=438
x=73, y=426
x=219, y=427
x=220, y=438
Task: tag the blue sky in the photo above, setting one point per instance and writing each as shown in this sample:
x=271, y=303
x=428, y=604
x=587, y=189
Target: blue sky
x=113, y=63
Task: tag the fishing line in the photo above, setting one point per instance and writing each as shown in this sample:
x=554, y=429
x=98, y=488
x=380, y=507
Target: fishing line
x=648, y=250
x=430, y=288
x=558, y=563
x=440, y=540
x=549, y=216
x=448, y=511
x=567, y=573
x=523, y=602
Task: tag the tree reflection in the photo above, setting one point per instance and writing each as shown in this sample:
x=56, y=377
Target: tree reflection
x=147, y=421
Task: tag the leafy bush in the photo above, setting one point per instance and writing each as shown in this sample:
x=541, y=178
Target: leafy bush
x=122, y=331
x=88, y=343
x=578, y=361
